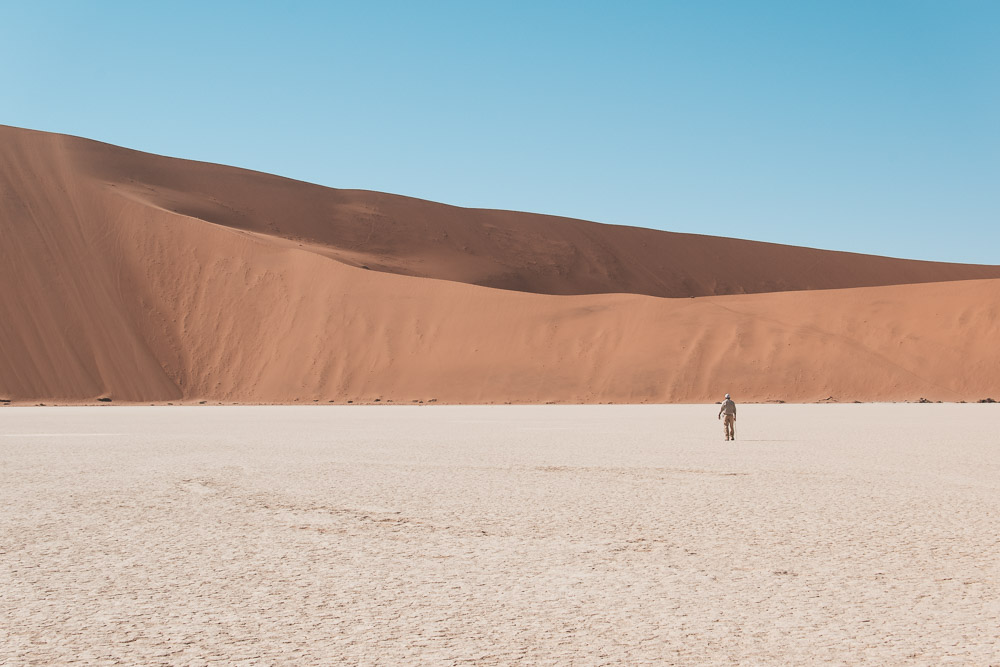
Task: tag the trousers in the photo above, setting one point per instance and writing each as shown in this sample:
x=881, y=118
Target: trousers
x=729, y=426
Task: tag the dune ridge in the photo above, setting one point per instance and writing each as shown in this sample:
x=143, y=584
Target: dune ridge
x=150, y=279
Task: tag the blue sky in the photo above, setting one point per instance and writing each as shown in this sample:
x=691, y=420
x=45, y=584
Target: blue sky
x=870, y=126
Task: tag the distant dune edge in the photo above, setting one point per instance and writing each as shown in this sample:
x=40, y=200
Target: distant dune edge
x=142, y=278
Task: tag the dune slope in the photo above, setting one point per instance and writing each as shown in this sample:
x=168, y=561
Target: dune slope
x=149, y=279
x=504, y=249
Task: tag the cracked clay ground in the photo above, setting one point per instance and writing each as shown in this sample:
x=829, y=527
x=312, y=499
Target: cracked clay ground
x=827, y=534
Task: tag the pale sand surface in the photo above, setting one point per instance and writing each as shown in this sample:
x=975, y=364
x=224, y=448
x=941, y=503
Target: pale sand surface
x=843, y=534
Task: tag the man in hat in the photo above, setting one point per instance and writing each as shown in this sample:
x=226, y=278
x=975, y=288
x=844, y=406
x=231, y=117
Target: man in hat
x=729, y=424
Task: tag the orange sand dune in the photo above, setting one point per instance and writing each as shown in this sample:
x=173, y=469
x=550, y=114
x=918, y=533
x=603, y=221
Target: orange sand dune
x=505, y=249
x=151, y=279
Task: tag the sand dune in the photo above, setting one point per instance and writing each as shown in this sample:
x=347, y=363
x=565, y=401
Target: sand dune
x=153, y=279
x=504, y=249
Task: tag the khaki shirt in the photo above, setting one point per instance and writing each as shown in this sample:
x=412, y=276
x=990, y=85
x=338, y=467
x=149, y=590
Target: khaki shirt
x=728, y=407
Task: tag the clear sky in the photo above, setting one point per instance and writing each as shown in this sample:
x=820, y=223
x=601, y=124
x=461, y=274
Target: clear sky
x=868, y=125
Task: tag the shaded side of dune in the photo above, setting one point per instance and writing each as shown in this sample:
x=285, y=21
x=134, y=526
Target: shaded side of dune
x=503, y=249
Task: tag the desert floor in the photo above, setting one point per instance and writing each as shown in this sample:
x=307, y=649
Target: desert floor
x=842, y=534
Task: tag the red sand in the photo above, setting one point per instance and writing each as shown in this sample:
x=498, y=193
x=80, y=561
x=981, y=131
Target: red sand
x=147, y=278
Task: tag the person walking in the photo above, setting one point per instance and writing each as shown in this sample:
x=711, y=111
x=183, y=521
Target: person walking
x=729, y=424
